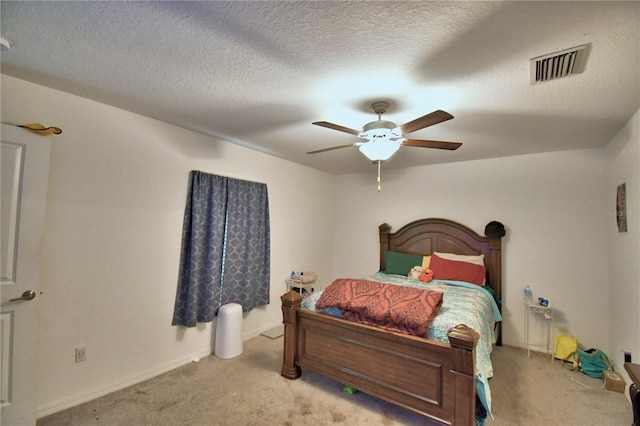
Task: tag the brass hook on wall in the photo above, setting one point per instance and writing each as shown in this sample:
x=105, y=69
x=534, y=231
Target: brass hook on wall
x=39, y=129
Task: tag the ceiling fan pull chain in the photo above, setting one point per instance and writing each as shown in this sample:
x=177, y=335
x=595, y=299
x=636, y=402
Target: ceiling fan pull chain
x=379, y=187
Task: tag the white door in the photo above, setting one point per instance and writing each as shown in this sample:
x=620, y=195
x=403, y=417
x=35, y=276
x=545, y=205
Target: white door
x=25, y=172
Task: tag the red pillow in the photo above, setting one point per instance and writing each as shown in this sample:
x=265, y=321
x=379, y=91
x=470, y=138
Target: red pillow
x=444, y=269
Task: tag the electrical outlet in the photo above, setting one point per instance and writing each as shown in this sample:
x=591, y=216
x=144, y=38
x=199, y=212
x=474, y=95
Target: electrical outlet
x=81, y=353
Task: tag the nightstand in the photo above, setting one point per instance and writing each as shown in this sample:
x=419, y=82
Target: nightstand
x=546, y=313
x=308, y=286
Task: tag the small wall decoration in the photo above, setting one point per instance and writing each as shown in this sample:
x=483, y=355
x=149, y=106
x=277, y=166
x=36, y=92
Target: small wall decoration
x=621, y=207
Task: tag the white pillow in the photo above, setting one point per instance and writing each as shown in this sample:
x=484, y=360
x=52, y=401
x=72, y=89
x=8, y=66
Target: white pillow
x=475, y=259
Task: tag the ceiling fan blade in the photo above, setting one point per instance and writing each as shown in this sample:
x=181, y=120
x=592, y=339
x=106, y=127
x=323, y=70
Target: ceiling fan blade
x=425, y=121
x=337, y=127
x=432, y=144
x=330, y=149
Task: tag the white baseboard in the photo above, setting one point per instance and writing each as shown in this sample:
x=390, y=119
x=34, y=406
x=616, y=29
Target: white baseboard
x=254, y=333
x=63, y=404
x=83, y=397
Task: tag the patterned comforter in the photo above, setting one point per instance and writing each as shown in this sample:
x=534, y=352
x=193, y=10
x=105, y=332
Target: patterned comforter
x=462, y=303
x=403, y=309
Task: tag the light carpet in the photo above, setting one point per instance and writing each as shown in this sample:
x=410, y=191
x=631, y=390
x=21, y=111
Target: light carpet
x=248, y=390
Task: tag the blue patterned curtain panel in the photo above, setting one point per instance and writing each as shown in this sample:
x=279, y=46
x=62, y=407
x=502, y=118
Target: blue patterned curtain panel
x=225, y=254
x=247, y=252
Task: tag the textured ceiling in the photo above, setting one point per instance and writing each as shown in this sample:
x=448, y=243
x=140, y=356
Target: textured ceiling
x=259, y=73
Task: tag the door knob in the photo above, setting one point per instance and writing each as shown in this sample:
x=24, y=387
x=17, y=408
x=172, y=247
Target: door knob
x=27, y=295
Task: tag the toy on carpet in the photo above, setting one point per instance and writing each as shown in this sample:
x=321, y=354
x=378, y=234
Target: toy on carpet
x=350, y=390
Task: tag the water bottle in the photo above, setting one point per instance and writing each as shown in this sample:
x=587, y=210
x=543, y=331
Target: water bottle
x=528, y=295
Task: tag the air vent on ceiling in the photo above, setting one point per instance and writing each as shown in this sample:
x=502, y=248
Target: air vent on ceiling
x=559, y=64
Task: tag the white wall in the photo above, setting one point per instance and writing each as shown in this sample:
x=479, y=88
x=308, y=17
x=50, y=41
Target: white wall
x=624, y=268
x=114, y=217
x=117, y=192
x=551, y=204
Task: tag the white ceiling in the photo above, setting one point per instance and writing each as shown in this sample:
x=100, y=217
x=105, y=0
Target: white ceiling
x=258, y=73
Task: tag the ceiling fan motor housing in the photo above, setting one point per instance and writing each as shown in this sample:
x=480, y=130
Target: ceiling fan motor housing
x=380, y=107
x=380, y=124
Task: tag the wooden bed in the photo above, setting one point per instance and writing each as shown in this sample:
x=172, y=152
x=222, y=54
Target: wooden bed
x=430, y=377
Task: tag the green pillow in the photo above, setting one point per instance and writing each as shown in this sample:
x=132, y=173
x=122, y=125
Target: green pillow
x=400, y=263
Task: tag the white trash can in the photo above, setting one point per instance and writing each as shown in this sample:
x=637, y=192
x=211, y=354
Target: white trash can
x=229, y=331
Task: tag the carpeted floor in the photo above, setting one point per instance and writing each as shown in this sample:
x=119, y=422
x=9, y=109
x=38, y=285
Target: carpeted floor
x=248, y=390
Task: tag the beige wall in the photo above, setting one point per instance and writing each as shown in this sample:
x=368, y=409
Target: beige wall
x=117, y=192
x=551, y=204
x=114, y=217
x=624, y=248
x=561, y=238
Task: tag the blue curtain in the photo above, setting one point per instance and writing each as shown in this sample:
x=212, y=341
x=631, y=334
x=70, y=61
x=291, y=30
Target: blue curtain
x=225, y=254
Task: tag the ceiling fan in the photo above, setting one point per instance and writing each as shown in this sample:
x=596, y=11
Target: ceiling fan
x=380, y=139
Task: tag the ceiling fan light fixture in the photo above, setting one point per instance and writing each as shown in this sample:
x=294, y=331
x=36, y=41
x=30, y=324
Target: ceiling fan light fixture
x=380, y=134
x=380, y=149
x=383, y=140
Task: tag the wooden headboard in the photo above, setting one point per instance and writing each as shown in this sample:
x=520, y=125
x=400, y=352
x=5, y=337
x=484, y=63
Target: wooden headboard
x=424, y=236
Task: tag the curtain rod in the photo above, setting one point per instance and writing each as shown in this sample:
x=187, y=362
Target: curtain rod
x=230, y=177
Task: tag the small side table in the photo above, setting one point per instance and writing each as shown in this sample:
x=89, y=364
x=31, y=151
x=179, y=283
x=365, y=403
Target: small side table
x=634, y=390
x=547, y=314
x=309, y=286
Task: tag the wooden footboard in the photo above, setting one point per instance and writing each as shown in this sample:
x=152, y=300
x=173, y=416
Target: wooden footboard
x=429, y=377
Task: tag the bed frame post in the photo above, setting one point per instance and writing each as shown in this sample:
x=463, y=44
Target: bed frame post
x=496, y=276
x=291, y=303
x=463, y=346
x=384, y=230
